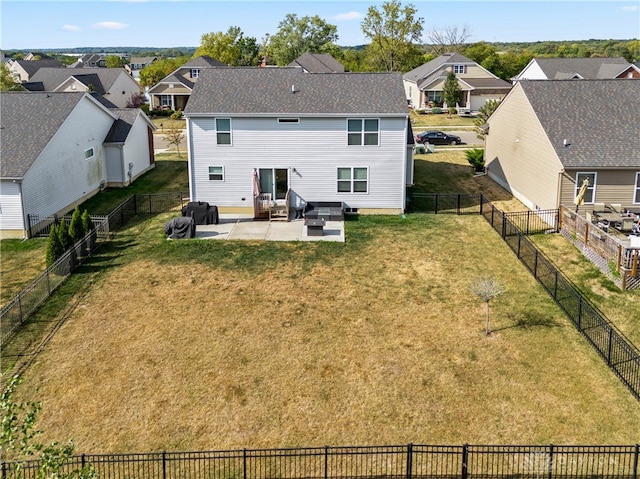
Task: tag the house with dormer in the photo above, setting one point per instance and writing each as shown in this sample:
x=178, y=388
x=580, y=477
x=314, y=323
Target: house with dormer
x=424, y=85
x=174, y=90
x=115, y=84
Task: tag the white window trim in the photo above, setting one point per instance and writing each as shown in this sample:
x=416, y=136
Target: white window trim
x=362, y=132
x=215, y=125
x=216, y=166
x=636, y=189
x=591, y=187
x=351, y=180
x=92, y=155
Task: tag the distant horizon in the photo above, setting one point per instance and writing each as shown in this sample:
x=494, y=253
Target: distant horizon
x=134, y=47
x=67, y=24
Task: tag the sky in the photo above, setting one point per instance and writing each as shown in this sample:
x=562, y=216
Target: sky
x=32, y=25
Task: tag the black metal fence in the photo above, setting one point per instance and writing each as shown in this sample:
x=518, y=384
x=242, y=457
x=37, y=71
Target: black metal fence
x=619, y=352
x=412, y=461
x=40, y=226
x=27, y=301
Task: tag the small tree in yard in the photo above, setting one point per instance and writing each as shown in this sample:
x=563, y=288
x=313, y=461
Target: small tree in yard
x=487, y=288
x=451, y=92
x=174, y=136
x=63, y=235
x=54, y=248
x=76, y=229
x=87, y=222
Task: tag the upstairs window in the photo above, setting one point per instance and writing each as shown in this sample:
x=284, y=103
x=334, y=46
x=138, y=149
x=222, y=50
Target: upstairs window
x=223, y=131
x=195, y=72
x=362, y=131
x=216, y=173
x=459, y=69
x=88, y=153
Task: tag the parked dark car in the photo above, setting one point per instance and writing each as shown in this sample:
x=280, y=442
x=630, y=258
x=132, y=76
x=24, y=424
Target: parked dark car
x=438, y=138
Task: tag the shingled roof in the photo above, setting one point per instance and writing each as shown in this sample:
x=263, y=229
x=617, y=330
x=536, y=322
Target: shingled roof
x=28, y=122
x=122, y=126
x=318, y=63
x=32, y=66
x=289, y=90
x=587, y=68
x=598, y=118
x=436, y=65
x=52, y=78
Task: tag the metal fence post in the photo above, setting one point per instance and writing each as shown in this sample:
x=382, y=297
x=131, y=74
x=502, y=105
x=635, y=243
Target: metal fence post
x=635, y=462
x=555, y=287
x=409, y=460
x=436, y=204
x=579, y=318
x=550, y=466
x=326, y=462
x=535, y=264
x=465, y=461
x=164, y=465
x=609, y=347
x=244, y=463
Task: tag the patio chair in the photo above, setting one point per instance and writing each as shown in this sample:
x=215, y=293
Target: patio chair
x=617, y=207
x=598, y=207
x=625, y=224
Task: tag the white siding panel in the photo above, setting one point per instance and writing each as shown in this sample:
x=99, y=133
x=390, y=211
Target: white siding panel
x=61, y=175
x=122, y=89
x=315, y=147
x=136, y=149
x=113, y=162
x=11, y=216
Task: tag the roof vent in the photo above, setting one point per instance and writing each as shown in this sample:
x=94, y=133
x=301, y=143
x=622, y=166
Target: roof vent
x=293, y=89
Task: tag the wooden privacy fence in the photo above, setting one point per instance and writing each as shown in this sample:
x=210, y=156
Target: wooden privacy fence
x=366, y=462
x=622, y=258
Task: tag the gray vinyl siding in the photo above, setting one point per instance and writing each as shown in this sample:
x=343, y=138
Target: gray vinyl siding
x=519, y=154
x=61, y=175
x=314, y=147
x=11, y=215
x=612, y=187
x=114, y=163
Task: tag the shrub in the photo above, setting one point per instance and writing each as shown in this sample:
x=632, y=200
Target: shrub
x=54, y=248
x=475, y=157
x=76, y=228
x=63, y=235
x=176, y=115
x=436, y=111
x=145, y=108
x=453, y=111
x=87, y=222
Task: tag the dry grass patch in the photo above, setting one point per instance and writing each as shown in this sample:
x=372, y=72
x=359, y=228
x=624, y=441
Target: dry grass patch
x=20, y=263
x=191, y=345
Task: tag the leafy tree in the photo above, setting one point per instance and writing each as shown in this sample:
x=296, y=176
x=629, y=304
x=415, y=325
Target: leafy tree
x=478, y=52
x=484, y=112
x=451, y=92
x=232, y=47
x=114, y=61
x=136, y=100
x=448, y=39
x=174, y=136
x=487, y=288
x=54, y=248
x=392, y=32
x=296, y=36
x=18, y=441
x=76, y=230
x=63, y=235
x=7, y=82
x=159, y=69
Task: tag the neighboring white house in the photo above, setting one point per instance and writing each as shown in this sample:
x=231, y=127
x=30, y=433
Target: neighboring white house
x=424, y=85
x=115, y=84
x=312, y=137
x=59, y=149
x=575, y=69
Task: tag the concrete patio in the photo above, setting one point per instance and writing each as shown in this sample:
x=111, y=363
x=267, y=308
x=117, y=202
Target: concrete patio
x=233, y=227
